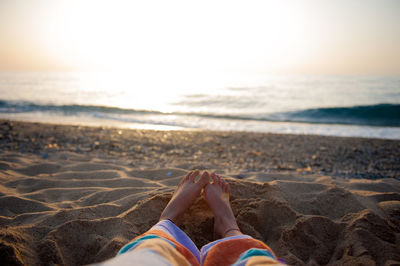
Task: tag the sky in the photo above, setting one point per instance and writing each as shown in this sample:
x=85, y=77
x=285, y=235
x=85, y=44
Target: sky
x=269, y=36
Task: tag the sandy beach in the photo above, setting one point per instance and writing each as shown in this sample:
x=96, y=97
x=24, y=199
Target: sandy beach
x=74, y=195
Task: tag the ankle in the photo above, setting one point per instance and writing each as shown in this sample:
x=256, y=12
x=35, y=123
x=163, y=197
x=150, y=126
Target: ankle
x=227, y=225
x=232, y=232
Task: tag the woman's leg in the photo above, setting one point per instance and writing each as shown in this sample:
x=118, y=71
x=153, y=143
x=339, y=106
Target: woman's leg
x=233, y=247
x=166, y=234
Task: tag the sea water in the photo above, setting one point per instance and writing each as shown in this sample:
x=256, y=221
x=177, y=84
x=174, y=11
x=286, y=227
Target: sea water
x=360, y=106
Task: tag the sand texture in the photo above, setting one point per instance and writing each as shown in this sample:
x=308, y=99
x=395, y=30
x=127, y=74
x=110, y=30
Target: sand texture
x=75, y=195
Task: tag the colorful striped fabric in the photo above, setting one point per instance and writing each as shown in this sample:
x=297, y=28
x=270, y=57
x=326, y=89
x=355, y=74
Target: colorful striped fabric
x=171, y=246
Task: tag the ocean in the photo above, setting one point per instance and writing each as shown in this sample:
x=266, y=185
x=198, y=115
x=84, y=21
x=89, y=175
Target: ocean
x=355, y=106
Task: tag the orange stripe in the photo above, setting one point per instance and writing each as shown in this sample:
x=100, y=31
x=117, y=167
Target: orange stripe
x=228, y=252
x=180, y=248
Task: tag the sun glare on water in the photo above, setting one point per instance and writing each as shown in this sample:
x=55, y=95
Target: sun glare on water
x=155, y=50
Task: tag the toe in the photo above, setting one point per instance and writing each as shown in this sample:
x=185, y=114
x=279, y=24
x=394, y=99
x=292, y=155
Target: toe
x=224, y=185
x=227, y=189
x=194, y=175
x=204, y=179
x=218, y=178
x=187, y=176
x=214, y=178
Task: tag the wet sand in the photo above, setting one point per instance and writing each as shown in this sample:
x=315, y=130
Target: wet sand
x=74, y=195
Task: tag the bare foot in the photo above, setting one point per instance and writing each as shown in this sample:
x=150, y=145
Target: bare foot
x=186, y=192
x=217, y=196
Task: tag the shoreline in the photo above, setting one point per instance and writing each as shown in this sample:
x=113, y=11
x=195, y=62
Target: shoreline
x=347, y=157
x=211, y=125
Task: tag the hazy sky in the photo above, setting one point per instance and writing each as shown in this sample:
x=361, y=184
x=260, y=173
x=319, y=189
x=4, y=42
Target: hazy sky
x=282, y=36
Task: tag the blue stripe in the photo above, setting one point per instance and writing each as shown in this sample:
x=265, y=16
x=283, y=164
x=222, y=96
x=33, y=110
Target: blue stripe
x=254, y=252
x=137, y=241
